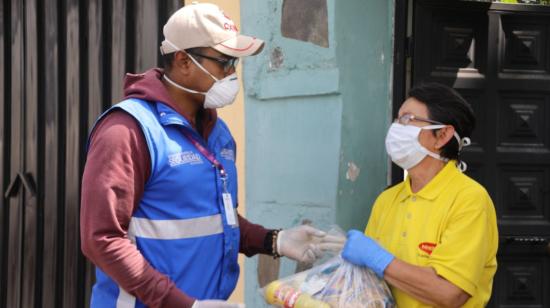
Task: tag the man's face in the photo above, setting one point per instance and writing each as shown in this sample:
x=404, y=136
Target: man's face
x=216, y=63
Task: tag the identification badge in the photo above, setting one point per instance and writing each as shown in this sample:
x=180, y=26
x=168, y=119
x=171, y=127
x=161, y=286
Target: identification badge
x=229, y=210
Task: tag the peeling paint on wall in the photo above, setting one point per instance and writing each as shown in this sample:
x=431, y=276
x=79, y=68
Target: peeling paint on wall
x=305, y=20
x=276, y=59
x=353, y=172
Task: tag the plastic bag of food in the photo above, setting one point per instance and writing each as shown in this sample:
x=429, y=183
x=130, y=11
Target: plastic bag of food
x=333, y=284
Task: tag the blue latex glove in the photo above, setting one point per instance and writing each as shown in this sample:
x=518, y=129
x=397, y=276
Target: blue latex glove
x=364, y=251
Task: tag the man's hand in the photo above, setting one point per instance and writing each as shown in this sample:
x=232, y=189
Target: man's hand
x=364, y=251
x=300, y=243
x=216, y=304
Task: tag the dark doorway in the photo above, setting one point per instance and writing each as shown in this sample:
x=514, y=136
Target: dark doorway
x=62, y=64
x=498, y=57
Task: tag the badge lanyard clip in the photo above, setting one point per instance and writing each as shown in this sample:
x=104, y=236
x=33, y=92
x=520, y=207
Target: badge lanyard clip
x=223, y=176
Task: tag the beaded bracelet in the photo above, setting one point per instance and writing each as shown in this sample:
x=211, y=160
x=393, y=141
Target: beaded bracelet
x=274, y=252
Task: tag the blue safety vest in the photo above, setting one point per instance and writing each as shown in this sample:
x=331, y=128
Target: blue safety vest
x=180, y=225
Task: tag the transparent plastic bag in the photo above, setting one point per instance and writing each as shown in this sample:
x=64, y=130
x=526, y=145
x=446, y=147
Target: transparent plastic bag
x=333, y=284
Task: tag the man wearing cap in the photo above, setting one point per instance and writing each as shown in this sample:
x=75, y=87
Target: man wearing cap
x=159, y=190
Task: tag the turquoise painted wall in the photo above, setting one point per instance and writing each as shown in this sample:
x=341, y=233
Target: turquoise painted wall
x=364, y=34
x=310, y=111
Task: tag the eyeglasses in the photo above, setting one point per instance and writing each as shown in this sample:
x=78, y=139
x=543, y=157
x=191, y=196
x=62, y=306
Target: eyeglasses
x=407, y=118
x=227, y=64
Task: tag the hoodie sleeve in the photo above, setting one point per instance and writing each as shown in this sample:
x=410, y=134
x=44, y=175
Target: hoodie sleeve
x=253, y=238
x=117, y=167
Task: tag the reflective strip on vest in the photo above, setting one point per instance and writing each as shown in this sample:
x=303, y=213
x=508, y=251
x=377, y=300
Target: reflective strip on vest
x=168, y=230
x=175, y=229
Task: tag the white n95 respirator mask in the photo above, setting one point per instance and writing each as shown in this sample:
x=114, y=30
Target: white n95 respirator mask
x=222, y=93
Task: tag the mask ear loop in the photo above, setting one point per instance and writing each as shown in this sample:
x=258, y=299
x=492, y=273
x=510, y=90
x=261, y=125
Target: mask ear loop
x=464, y=142
x=181, y=87
x=426, y=151
x=176, y=48
x=462, y=166
x=202, y=67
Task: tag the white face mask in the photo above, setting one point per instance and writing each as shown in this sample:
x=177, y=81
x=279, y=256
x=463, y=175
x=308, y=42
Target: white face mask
x=406, y=151
x=222, y=93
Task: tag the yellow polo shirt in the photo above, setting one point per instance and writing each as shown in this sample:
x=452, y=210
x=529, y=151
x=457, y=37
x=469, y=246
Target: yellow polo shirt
x=449, y=225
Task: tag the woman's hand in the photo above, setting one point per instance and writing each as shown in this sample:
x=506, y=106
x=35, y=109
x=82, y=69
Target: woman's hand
x=364, y=251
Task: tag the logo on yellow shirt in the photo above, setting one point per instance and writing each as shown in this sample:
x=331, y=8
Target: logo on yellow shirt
x=427, y=247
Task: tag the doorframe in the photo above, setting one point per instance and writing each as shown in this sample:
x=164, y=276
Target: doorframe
x=400, y=55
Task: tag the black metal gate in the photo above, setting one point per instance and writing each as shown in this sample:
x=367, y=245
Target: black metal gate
x=498, y=57
x=62, y=63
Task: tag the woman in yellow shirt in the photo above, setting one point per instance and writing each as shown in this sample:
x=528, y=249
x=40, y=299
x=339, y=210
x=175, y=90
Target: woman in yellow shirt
x=432, y=237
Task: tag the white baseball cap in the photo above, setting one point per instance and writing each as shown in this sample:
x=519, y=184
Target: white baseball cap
x=205, y=25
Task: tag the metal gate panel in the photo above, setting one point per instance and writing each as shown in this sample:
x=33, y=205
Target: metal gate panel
x=13, y=205
x=118, y=46
x=498, y=57
x=30, y=261
x=50, y=175
x=146, y=43
x=73, y=104
x=5, y=87
x=62, y=64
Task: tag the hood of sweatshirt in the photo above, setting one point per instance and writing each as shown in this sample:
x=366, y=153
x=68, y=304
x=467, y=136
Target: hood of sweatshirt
x=148, y=86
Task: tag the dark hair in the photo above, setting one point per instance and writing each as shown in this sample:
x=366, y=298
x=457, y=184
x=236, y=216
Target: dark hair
x=167, y=59
x=445, y=105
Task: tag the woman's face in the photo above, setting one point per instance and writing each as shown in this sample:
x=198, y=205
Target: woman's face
x=419, y=109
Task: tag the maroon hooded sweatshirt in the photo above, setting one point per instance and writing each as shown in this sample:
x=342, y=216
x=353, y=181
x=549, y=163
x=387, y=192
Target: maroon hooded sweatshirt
x=117, y=168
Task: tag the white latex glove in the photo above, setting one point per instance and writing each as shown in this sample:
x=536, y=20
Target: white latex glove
x=216, y=304
x=300, y=243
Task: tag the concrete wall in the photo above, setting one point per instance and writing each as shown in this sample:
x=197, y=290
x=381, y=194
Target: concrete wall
x=316, y=118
